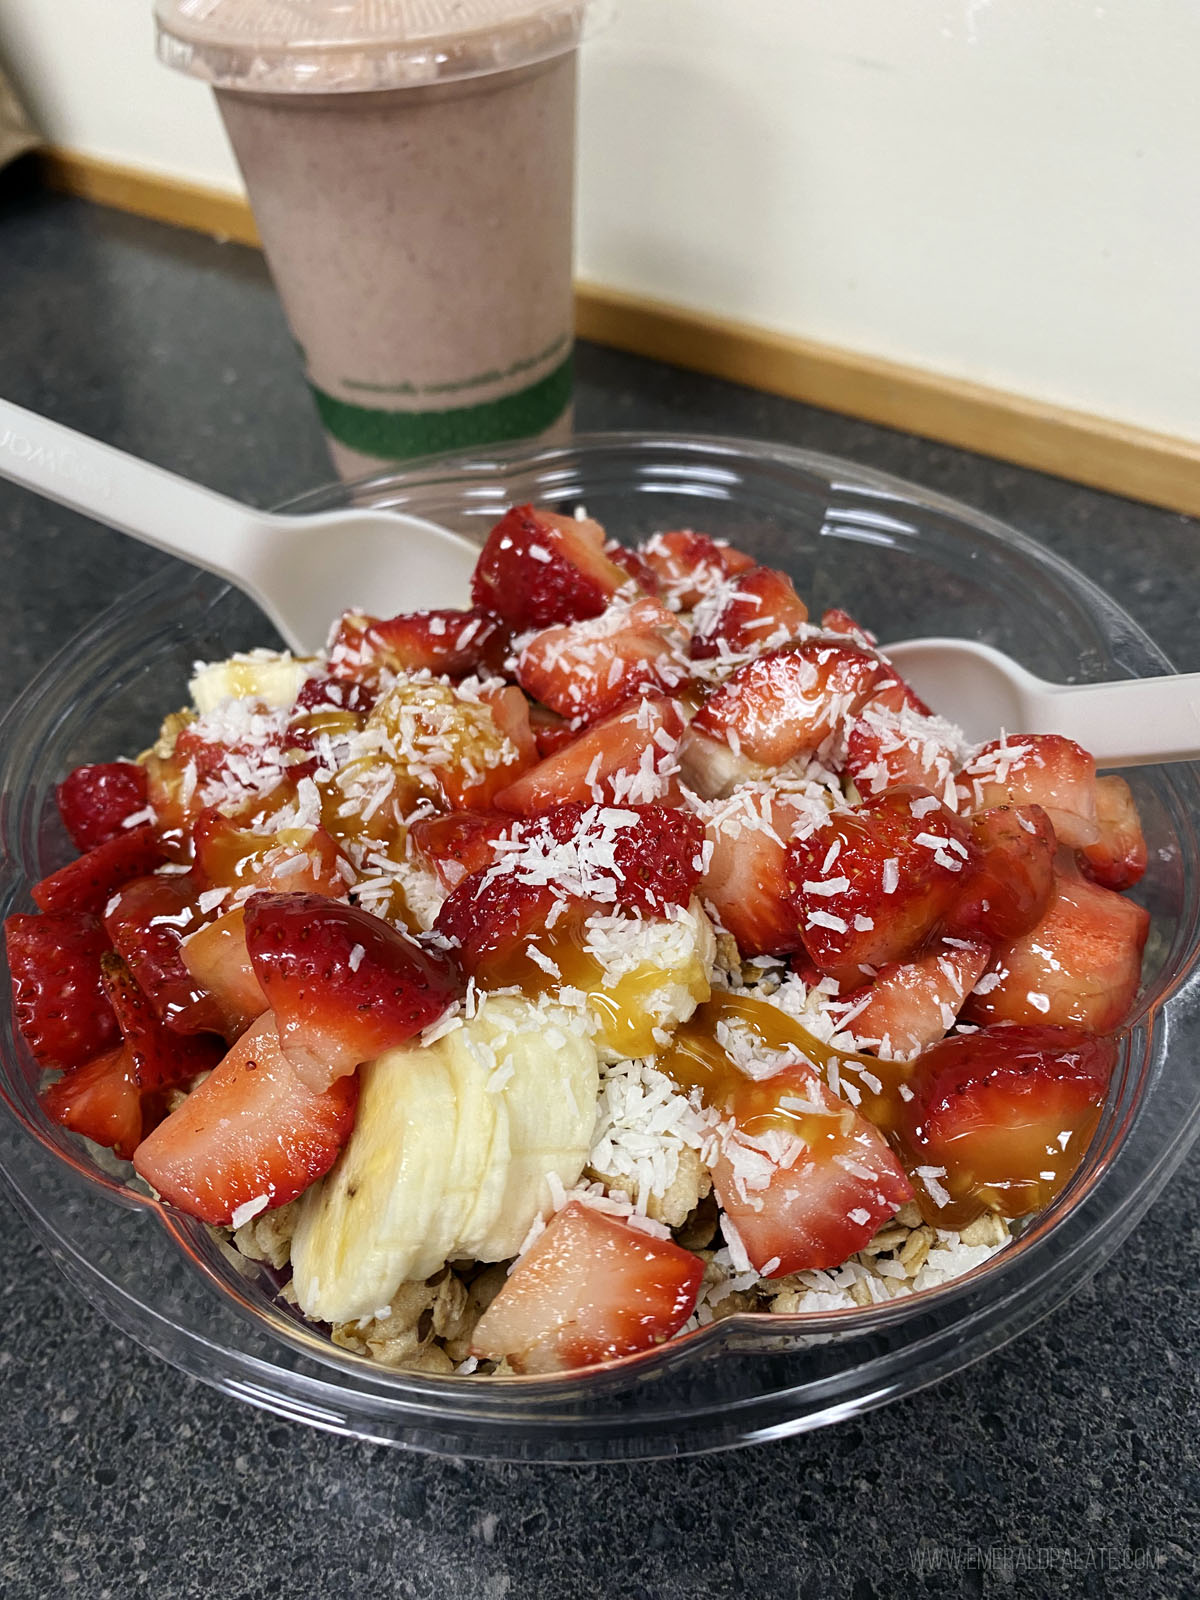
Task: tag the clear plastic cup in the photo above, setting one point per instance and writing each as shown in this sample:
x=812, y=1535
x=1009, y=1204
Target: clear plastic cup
x=411, y=168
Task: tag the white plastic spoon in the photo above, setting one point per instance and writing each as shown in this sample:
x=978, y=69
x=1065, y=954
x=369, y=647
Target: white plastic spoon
x=1127, y=723
x=303, y=571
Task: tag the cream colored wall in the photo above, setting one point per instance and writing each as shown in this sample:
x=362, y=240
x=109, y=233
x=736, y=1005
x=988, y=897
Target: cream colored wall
x=1001, y=190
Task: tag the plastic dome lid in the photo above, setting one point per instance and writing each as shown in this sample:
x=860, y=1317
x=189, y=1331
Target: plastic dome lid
x=340, y=46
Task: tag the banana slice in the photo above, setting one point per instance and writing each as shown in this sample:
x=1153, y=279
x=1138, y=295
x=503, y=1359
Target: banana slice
x=649, y=975
x=271, y=676
x=440, y=1165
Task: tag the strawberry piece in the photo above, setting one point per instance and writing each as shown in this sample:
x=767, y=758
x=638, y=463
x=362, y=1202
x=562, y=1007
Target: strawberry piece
x=590, y=1289
x=215, y=759
x=59, y=1002
x=150, y=918
x=158, y=1058
x=1009, y=890
x=897, y=739
x=217, y=959
x=253, y=1128
x=1006, y=1116
x=746, y=882
x=789, y=701
x=446, y=643
x=689, y=565
x=300, y=860
x=538, y=569
x=89, y=883
x=634, y=564
x=95, y=801
x=101, y=1101
x=457, y=845
x=872, y=885
x=550, y=731
x=1118, y=858
x=626, y=757
x=344, y=985
x=335, y=694
x=804, y=1180
x=1036, y=769
x=913, y=1004
x=835, y=620
x=585, y=670
x=1080, y=966
x=756, y=610
x=644, y=858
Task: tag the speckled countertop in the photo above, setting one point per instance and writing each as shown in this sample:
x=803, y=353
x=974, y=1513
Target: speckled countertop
x=1067, y=1463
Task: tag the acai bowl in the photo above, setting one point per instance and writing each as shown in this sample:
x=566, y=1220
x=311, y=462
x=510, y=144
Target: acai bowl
x=904, y=564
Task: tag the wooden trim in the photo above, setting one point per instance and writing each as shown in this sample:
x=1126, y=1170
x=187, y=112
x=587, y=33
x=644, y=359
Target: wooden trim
x=1098, y=451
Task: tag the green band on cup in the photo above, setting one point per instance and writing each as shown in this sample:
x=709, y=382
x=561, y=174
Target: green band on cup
x=396, y=434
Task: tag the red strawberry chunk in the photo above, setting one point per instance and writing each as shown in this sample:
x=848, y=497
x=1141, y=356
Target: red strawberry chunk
x=634, y=564
x=1080, y=966
x=159, y=1058
x=446, y=643
x=59, y=1002
x=216, y=760
x=538, y=569
x=756, y=610
x=1118, y=858
x=301, y=860
x=252, y=1129
x=89, y=883
x=585, y=670
x=1003, y=1118
x=872, y=885
x=491, y=917
x=95, y=802
x=461, y=843
x=835, y=620
x=745, y=881
x=590, y=1289
x=550, y=731
x=1009, y=890
x=1036, y=769
x=217, y=959
x=896, y=739
x=101, y=1101
x=913, y=1004
x=335, y=694
x=150, y=918
x=344, y=985
x=789, y=701
x=689, y=565
x=627, y=758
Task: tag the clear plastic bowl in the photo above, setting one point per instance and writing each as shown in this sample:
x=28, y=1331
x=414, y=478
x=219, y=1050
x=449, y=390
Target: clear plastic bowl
x=905, y=563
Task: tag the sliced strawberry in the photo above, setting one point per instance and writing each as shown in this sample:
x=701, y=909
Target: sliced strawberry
x=835, y=620
x=689, y=565
x=789, y=701
x=634, y=564
x=745, y=881
x=591, y=1288
x=251, y=1129
x=756, y=610
x=218, y=961
x=344, y=985
x=871, y=886
x=1008, y=891
x=490, y=918
x=89, y=883
x=627, y=757
x=1004, y=1117
x=298, y=860
x=538, y=569
x=59, y=1003
x=551, y=732
x=1036, y=769
x=585, y=670
x=1118, y=858
x=94, y=802
x=218, y=759
x=461, y=843
x=335, y=694
x=159, y=1058
x=449, y=643
x=1080, y=966
x=896, y=739
x=912, y=1004
x=101, y=1101
x=150, y=918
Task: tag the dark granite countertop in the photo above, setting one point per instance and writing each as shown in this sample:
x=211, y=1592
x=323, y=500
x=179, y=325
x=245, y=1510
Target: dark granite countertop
x=1067, y=1463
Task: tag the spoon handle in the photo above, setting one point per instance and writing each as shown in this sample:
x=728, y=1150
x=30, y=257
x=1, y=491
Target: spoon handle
x=1133, y=722
x=202, y=527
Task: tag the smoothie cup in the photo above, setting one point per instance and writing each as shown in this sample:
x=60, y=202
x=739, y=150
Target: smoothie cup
x=410, y=164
